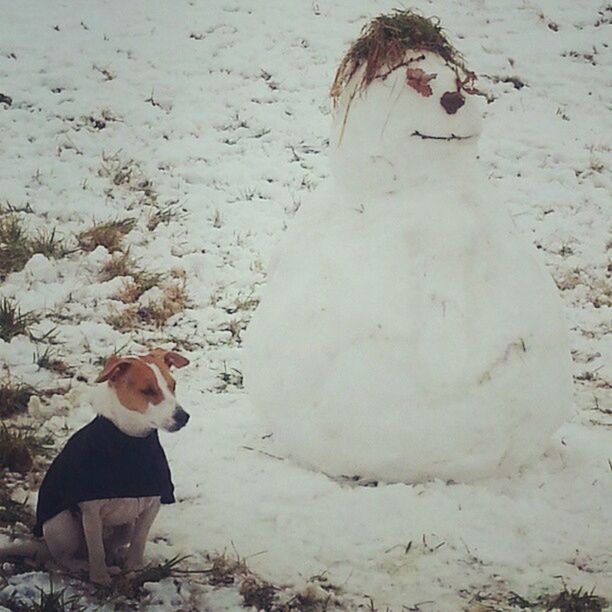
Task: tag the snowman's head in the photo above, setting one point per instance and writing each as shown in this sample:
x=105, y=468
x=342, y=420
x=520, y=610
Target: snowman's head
x=403, y=119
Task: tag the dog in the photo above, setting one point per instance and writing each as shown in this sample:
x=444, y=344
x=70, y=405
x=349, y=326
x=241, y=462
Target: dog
x=103, y=491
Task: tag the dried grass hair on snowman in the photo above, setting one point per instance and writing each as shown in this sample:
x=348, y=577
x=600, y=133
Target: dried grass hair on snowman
x=400, y=82
x=407, y=330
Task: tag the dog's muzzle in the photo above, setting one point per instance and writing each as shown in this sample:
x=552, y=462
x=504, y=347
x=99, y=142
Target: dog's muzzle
x=179, y=419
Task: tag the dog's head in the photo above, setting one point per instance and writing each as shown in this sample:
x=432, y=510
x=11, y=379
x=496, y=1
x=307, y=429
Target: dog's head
x=141, y=392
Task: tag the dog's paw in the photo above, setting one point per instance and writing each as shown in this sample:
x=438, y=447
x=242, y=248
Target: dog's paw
x=134, y=561
x=114, y=570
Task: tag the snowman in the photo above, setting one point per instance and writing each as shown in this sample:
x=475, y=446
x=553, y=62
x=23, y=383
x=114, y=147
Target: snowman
x=407, y=331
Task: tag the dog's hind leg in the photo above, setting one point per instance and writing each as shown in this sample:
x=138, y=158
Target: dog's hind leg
x=35, y=550
x=65, y=540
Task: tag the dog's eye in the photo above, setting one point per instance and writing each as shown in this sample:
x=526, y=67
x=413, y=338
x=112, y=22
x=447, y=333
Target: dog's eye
x=149, y=392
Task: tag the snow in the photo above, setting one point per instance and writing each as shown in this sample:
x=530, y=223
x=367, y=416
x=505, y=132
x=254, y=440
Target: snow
x=224, y=107
x=407, y=332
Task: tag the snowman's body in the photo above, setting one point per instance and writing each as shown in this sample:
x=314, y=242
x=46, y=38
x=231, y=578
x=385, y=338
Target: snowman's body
x=407, y=331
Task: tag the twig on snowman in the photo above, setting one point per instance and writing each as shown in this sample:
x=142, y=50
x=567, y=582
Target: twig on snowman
x=250, y=448
x=429, y=137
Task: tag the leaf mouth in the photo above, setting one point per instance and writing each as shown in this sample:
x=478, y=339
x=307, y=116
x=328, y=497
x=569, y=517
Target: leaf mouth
x=448, y=137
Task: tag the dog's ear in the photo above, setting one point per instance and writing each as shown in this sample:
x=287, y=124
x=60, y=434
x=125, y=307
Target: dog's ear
x=114, y=368
x=174, y=359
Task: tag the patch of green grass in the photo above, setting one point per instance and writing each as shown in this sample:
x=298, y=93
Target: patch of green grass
x=14, y=248
x=14, y=398
x=20, y=446
x=47, y=243
x=109, y=235
x=17, y=245
x=12, y=321
x=50, y=360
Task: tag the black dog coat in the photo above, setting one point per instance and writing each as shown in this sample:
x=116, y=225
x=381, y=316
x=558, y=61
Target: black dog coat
x=99, y=462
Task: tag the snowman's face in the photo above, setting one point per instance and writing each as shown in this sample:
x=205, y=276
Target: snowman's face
x=420, y=99
x=397, y=120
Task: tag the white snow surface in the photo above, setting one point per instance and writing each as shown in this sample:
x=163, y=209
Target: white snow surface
x=407, y=332
x=223, y=106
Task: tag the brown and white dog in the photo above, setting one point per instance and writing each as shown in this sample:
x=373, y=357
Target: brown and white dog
x=102, y=493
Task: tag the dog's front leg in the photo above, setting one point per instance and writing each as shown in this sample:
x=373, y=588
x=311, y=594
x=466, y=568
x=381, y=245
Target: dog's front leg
x=135, y=556
x=92, y=528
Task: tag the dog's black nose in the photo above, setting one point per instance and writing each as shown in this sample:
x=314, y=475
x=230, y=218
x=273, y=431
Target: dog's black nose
x=180, y=417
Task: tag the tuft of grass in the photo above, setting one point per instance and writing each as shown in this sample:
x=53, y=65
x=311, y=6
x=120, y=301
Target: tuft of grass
x=130, y=584
x=49, y=360
x=14, y=398
x=47, y=243
x=7, y=207
x=224, y=569
x=128, y=173
x=118, y=265
x=17, y=245
x=19, y=446
x=567, y=600
x=172, y=301
x=12, y=512
x=12, y=321
x=384, y=42
x=50, y=601
x=230, y=378
x=170, y=212
x=117, y=352
x=117, y=170
x=14, y=250
x=109, y=235
x=139, y=281
x=124, y=320
x=574, y=600
x=244, y=304
x=257, y=594
x=235, y=327
x=56, y=601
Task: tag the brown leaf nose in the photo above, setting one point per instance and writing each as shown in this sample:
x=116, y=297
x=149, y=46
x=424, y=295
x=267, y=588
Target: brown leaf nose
x=452, y=101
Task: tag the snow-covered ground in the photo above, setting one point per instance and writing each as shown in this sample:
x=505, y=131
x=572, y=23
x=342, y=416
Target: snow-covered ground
x=220, y=111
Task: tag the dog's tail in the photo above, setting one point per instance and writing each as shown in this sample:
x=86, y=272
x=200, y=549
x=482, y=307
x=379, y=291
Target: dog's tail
x=32, y=549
